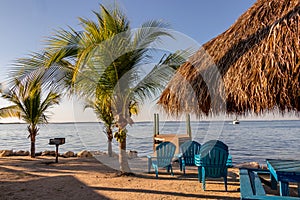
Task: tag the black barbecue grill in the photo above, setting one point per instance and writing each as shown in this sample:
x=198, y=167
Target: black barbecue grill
x=57, y=142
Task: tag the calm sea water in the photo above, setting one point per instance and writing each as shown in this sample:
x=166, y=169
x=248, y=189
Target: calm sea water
x=248, y=141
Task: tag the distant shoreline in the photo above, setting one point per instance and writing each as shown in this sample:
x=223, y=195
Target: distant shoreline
x=168, y=121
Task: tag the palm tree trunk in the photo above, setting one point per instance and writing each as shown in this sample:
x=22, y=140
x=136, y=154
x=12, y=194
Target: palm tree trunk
x=32, y=148
x=32, y=133
x=110, y=136
x=109, y=148
x=109, y=142
x=123, y=159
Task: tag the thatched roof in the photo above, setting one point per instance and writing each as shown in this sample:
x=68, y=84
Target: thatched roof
x=254, y=66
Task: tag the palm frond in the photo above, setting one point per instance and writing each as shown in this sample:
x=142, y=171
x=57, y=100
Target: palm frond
x=149, y=33
x=63, y=44
x=10, y=111
x=34, y=67
x=50, y=100
x=156, y=80
x=26, y=97
x=102, y=110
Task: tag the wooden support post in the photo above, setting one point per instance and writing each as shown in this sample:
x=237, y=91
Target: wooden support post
x=188, y=126
x=157, y=124
x=154, y=127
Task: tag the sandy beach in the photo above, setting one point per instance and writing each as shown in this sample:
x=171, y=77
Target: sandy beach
x=196, y=60
x=87, y=178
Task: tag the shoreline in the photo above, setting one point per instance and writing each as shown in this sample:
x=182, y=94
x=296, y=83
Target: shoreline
x=171, y=121
x=113, y=161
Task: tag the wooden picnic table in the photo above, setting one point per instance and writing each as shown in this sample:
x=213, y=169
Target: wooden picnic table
x=176, y=139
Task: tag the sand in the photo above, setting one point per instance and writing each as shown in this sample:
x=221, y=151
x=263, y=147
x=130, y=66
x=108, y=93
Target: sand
x=88, y=178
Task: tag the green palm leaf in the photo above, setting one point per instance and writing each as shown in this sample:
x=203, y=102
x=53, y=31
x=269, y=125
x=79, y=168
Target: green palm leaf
x=10, y=111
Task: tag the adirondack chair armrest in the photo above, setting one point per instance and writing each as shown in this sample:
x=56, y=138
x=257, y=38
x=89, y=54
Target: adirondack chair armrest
x=150, y=159
x=198, y=161
x=179, y=155
x=229, y=161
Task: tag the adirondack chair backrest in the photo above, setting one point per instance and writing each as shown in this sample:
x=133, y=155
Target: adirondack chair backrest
x=214, y=154
x=188, y=150
x=164, y=153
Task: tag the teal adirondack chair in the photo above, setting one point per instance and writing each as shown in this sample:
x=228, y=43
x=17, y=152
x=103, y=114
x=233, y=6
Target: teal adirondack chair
x=212, y=161
x=187, y=156
x=164, y=154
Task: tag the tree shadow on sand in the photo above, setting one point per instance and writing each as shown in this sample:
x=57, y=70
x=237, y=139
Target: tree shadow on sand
x=57, y=187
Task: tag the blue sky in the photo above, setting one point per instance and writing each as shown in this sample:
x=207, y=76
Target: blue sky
x=26, y=23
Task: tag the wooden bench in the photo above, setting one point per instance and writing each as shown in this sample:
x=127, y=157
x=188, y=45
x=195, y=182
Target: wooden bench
x=251, y=186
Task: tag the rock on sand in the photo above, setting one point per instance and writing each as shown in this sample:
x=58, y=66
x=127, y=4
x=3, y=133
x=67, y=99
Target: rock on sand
x=84, y=154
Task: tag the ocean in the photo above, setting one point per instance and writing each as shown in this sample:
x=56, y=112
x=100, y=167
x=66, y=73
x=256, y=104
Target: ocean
x=249, y=141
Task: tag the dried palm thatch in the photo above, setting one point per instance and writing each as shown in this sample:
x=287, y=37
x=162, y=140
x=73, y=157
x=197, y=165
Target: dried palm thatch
x=254, y=66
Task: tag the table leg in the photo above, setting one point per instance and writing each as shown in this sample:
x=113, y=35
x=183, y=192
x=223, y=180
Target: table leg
x=56, y=154
x=149, y=164
x=284, y=188
x=273, y=182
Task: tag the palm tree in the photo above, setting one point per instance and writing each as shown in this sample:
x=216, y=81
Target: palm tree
x=70, y=50
x=106, y=55
x=28, y=104
x=123, y=84
x=105, y=115
x=113, y=68
x=103, y=62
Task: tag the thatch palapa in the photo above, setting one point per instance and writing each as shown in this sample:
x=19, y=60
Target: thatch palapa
x=251, y=67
